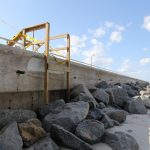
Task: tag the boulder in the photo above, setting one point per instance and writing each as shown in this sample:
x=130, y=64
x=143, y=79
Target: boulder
x=81, y=88
x=83, y=97
x=65, y=138
x=115, y=114
x=91, y=87
x=10, y=138
x=31, y=131
x=101, y=96
x=69, y=117
x=19, y=115
x=130, y=90
x=120, y=141
x=44, y=144
x=53, y=107
x=98, y=114
x=108, y=123
x=91, y=131
x=118, y=96
x=101, y=105
x=35, y=121
x=146, y=102
x=102, y=84
x=135, y=106
x=95, y=113
x=64, y=148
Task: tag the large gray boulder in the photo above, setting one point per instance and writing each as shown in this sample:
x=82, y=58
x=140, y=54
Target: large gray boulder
x=10, y=138
x=102, y=84
x=65, y=138
x=69, y=117
x=83, y=97
x=52, y=107
x=120, y=141
x=101, y=96
x=31, y=132
x=118, y=96
x=146, y=102
x=19, y=115
x=135, y=106
x=116, y=114
x=44, y=144
x=130, y=90
x=108, y=122
x=95, y=113
x=98, y=114
x=90, y=131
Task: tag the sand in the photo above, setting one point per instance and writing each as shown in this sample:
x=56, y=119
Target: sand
x=137, y=126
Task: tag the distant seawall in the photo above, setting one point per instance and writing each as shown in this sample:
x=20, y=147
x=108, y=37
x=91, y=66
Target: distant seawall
x=22, y=80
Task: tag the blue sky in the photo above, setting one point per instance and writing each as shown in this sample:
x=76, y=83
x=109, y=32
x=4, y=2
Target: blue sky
x=115, y=32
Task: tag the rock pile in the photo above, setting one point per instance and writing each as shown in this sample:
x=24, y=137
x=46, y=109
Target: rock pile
x=79, y=123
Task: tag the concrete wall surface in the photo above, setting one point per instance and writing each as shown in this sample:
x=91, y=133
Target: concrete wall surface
x=22, y=71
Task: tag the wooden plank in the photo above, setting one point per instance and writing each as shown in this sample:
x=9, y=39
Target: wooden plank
x=68, y=65
x=58, y=36
x=58, y=49
x=37, y=27
x=46, y=82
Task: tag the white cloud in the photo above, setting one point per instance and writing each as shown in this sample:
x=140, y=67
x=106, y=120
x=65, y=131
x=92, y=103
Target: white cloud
x=94, y=41
x=116, y=36
x=126, y=66
x=145, y=61
x=109, y=24
x=78, y=41
x=97, y=55
x=145, y=49
x=99, y=32
x=146, y=24
x=119, y=28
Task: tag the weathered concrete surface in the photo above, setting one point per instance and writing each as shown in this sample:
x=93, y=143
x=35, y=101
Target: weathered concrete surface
x=22, y=77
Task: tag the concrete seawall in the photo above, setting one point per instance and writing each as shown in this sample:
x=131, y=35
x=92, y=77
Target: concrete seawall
x=22, y=80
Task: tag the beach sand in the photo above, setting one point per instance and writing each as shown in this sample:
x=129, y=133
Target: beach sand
x=137, y=126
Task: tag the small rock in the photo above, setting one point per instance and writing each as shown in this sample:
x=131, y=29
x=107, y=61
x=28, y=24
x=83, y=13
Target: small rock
x=44, y=144
x=65, y=138
x=69, y=117
x=91, y=131
x=53, y=107
x=120, y=141
x=10, y=138
x=108, y=123
x=101, y=105
x=135, y=106
x=19, y=115
x=30, y=132
x=101, y=96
